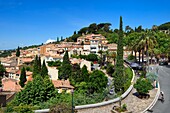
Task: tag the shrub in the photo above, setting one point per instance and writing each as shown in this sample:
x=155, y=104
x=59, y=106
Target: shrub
x=143, y=86
x=23, y=109
x=54, y=63
x=110, y=69
x=124, y=107
x=20, y=109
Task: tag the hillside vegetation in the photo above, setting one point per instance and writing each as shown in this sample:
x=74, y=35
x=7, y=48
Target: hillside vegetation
x=164, y=26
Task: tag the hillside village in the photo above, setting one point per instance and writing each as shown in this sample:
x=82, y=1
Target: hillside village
x=85, y=45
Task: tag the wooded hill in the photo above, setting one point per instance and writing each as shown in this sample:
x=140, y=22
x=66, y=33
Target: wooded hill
x=164, y=26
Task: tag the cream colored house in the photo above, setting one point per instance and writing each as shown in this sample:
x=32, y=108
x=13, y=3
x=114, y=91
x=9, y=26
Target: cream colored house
x=53, y=73
x=81, y=62
x=86, y=63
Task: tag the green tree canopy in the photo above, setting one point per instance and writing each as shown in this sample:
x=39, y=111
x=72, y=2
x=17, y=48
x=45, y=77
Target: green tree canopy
x=110, y=69
x=92, y=57
x=36, y=68
x=35, y=92
x=66, y=59
x=119, y=70
x=143, y=86
x=84, y=73
x=164, y=26
x=39, y=63
x=44, y=70
x=66, y=68
x=18, y=52
x=2, y=70
x=97, y=81
x=22, y=78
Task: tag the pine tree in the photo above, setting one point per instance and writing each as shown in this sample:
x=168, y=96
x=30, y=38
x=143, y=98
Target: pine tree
x=22, y=78
x=119, y=71
x=44, y=70
x=18, y=52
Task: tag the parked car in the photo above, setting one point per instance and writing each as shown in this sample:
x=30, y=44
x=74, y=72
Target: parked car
x=111, y=91
x=163, y=63
x=136, y=66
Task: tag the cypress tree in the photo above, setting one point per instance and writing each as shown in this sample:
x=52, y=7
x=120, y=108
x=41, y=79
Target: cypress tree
x=84, y=73
x=2, y=70
x=44, y=70
x=36, y=67
x=22, y=78
x=18, y=52
x=65, y=69
x=57, y=39
x=119, y=70
x=61, y=38
x=39, y=63
x=66, y=58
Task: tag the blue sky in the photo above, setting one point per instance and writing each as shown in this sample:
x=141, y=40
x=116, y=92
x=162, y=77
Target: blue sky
x=27, y=22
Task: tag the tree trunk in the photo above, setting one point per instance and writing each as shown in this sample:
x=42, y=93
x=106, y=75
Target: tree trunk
x=152, y=58
x=132, y=52
x=142, y=56
x=139, y=57
x=135, y=56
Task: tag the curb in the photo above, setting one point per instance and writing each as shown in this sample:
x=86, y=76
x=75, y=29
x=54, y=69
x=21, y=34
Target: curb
x=154, y=101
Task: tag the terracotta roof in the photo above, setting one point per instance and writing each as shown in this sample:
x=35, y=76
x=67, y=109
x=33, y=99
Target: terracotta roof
x=29, y=78
x=62, y=84
x=18, y=72
x=87, y=43
x=28, y=73
x=9, y=70
x=27, y=59
x=112, y=46
x=75, y=61
x=57, y=56
x=10, y=85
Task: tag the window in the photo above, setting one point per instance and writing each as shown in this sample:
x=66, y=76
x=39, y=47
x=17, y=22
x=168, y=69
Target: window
x=93, y=47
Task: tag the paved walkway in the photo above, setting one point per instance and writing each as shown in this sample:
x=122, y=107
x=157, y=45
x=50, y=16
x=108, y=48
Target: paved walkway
x=134, y=104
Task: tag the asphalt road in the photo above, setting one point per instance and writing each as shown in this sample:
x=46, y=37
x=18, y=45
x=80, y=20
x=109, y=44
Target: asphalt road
x=164, y=80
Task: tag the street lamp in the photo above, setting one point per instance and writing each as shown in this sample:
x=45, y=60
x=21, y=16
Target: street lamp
x=72, y=92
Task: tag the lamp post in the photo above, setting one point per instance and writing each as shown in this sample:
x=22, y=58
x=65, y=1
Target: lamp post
x=72, y=92
x=120, y=101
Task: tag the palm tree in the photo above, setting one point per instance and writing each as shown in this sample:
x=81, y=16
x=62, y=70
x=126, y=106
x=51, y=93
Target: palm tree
x=101, y=57
x=110, y=55
x=147, y=41
x=132, y=43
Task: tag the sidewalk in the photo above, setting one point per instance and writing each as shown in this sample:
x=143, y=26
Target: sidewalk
x=134, y=104
x=137, y=105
